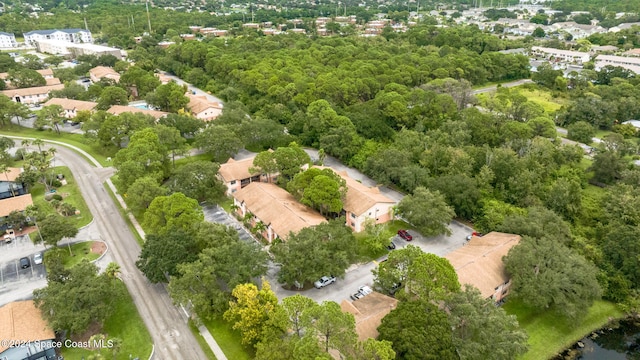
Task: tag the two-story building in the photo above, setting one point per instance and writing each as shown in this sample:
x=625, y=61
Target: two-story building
x=277, y=211
x=9, y=184
x=7, y=40
x=68, y=35
x=119, y=109
x=559, y=55
x=100, y=72
x=202, y=108
x=15, y=203
x=629, y=63
x=236, y=174
x=479, y=263
x=34, y=95
x=22, y=323
x=71, y=106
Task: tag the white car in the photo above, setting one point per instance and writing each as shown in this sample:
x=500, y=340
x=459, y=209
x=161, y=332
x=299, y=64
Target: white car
x=37, y=258
x=362, y=292
x=324, y=281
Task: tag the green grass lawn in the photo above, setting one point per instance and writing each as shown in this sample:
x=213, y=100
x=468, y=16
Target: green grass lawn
x=99, y=153
x=543, y=98
x=70, y=193
x=125, y=323
x=80, y=252
x=229, y=340
x=203, y=343
x=190, y=159
x=550, y=335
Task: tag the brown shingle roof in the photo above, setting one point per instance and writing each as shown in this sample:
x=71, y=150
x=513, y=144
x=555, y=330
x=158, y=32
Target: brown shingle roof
x=71, y=104
x=236, y=169
x=44, y=72
x=276, y=207
x=18, y=203
x=22, y=321
x=119, y=109
x=11, y=174
x=369, y=312
x=32, y=91
x=103, y=71
x=53, y=81
x=360, y=197
x=479, y=262
x=198, y=104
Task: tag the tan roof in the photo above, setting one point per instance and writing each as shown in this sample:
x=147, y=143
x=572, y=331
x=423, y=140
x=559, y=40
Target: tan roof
x=11, y=174
x=119, y=109
x=17, y=203
x=369, y=311
x=44, y=72
x=479, y=262
x=198, y=104
x=103, y=71
x=236, y=169
x=360, y=197
x=53, y=81
x=22, y=321
x=32, y=91
x=274, y=206
x=70, y=104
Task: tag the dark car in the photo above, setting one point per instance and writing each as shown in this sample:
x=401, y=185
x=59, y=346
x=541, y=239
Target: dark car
x=391, y=246
x=25, y=262
x=405, y=235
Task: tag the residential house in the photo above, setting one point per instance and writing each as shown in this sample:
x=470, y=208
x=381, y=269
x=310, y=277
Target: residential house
x=15, y=203
x=623, y=26
x=69, y=35
x=577, y=31
x=368, y=312
x=479, y=263
x=100, y=72
x=629, y=63
x=22, y=323
x=604, y=48
x=119, y=109
x=202, y=108
x=34, y=95
x=561, y=55
x=275, y=209
x=9, y=186
x=362, y=203
x=634, y=123
x=71, y=107
x=235, y=174
x=632, y=52
x=7, y=40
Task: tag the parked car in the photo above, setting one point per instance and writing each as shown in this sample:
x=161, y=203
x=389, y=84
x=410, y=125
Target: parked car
x=474, y=234
x=25, y=262
x=362, y=292
x=37, y=258
x=391, y=246
x=324, y=281
x=405, y=235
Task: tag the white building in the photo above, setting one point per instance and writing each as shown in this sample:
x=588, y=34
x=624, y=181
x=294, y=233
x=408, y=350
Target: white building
x=61, y=47
x=561, y=55
x=7, y=40
x=69, y=35
x=629, y=63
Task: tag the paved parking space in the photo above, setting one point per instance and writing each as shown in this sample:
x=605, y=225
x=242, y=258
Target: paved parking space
x=216, y=214
x=11, y=271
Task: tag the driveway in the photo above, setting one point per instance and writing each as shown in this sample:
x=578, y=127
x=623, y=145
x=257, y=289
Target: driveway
x=192, y=88
x=216, y=214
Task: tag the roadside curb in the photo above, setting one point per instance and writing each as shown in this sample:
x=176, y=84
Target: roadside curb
x=89, y=224
x=104, y=253
x=72, y=147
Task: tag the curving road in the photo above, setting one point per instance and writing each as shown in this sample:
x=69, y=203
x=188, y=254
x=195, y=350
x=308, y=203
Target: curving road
x=168, y=328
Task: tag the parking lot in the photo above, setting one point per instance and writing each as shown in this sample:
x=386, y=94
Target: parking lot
x=11, y=271
x=215, y=214
x=17, y=283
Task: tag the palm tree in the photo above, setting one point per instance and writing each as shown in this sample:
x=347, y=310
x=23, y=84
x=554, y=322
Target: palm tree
x=259, y=228
x=39, y=143
x=32, y=212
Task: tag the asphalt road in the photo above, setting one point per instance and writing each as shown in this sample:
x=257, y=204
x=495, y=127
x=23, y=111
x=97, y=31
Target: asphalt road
x=506, y=85
x=167, y=326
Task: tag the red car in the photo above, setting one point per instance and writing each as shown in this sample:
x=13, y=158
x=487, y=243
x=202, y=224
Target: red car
x=405, y=235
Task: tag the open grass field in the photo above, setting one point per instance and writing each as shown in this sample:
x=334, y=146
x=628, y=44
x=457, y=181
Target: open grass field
x=550, y=335
x=99, y=153
x=126, y=324
x=229, y=340
x=80, y=252
x=70, y=193
x=543, y=98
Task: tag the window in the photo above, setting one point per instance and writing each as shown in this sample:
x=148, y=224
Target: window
x=353, y=224
x=353, y=216
x=233, y=182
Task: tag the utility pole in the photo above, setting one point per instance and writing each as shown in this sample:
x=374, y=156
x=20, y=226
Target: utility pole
x=148, y=17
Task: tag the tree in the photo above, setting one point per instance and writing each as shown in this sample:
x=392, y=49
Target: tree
x=372, y=349
x=325, y=249
x=142, y=192
x=289, y=160
x=169, y=97
x=162, y=253
x=115, y=130
x=607, y=166
x=143, y=81
x=187, y=125
x=581, y=131
x=83, y=297
x=323, y=190
x=112, y=95
x=297, y=309
x=536, y=222
x=250, y=310
x=171, y=139
x=547, y=275
x=428, y=211
x=471, y=316
x=52, y=116
x=418, y=330
x=334, y=328
x=539, y=32
x=219, y=141
x=25, y=78
x=175, y=211
x=54, y=60
x=54, y=228
x=206, y=282
x=198, y=180
x=145, y=156
x=420, y=274
x=543, y=126
x=264, y=163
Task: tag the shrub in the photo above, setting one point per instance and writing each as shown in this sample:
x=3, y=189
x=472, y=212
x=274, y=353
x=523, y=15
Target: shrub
x=67, y=209
x=57, y=197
